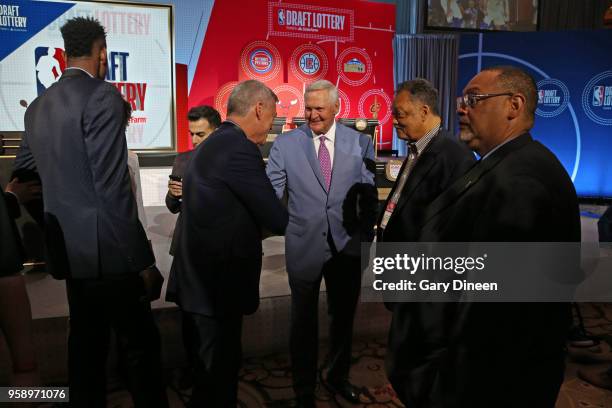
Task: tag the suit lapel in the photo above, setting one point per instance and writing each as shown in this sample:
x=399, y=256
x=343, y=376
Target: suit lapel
x=472, y=177
x=424, y=164
x=309, y=150
x=419, y=173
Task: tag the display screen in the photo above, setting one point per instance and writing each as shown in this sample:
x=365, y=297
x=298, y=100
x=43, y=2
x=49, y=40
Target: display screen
x=140, y=61
x=496, y=15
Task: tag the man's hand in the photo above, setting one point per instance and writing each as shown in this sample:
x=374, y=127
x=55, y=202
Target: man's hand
x=175, y=188
x=25, y=192
x=153, y=281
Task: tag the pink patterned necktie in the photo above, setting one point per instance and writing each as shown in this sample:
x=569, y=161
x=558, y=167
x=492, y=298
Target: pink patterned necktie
x=325, y=161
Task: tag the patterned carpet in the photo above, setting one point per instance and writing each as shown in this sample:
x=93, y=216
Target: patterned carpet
x=265, y=381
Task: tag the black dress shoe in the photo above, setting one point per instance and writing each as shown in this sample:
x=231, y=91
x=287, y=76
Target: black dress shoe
x=345, y=389
x=305, y=402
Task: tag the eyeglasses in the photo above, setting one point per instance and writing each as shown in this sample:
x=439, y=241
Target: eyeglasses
x=470, y=100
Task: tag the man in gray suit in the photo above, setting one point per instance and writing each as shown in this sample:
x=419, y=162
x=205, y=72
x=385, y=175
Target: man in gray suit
x=75, y=138
x=328, y=171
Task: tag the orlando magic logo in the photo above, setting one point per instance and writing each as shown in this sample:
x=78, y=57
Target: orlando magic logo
x=309, y=63
x=49, y=63
x=281, y=17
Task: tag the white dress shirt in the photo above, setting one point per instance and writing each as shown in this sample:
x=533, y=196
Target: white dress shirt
x=329, y=143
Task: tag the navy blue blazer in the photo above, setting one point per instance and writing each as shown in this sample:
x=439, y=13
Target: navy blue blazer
x=75, y=139
x=227, y=200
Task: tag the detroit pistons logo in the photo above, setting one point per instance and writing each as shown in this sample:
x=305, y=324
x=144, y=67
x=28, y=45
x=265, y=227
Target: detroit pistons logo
x=261, y=61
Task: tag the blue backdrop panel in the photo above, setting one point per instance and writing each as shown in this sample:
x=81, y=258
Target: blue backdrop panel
x=573, y=71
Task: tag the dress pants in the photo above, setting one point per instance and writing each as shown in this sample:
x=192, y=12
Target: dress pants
x=219, y=356
x=342, y=274
x=96, y=306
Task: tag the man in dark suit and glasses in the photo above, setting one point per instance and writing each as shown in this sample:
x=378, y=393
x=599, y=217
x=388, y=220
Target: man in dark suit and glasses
x=227, y=201
x=75, y=138
x=436, y=160
x=517, y=192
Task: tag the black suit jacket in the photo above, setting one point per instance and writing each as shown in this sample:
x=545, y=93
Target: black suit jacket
x=75, y=139
x=442, y=162
x=466, y=354
x=174, y=203
x=11, y=252
x=227, y=200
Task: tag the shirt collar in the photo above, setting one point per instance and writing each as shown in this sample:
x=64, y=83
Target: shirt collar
x=422, y=143
x=80, y=69
x=330, y=135
x=495, y=148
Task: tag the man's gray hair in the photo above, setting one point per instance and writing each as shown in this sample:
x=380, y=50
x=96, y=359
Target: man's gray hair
x=323, y=84
x=246, y=95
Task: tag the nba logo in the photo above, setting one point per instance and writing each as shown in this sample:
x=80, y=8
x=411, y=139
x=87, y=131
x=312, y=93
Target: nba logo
x=281, y=17
x=49, y=67
x=598, y=95
x=541, y=96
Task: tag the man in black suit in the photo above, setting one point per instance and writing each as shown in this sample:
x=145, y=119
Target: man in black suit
x=203, y=120
x=436, y=160
x=470, y=353
x=75, y=138
x=227, y=200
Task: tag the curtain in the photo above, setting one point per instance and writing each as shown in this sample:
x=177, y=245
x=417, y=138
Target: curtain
x=410, y=16
x=433, y=57
x=572, y=14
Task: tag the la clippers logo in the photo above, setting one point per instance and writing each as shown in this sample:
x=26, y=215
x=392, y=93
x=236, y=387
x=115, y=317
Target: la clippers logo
x=309, y=63
x=50, y=64
x=598, y=96
x=261, y=61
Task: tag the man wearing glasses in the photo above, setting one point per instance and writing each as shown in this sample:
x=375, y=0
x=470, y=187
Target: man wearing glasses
x=517, y=192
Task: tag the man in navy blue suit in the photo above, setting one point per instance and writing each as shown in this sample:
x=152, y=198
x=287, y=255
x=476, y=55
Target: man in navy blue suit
x=227, y=201
x=75, y=139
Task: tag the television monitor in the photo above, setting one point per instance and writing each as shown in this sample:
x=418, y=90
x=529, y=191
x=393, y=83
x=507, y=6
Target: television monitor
x=140, y=39
x=483, y=15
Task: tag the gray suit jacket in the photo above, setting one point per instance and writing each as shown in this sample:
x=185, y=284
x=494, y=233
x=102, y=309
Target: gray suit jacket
x=75, y=139
x=313, y=212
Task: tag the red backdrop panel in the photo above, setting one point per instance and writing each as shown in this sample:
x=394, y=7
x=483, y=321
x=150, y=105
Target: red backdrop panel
x=287, y=45
x=183, y=141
